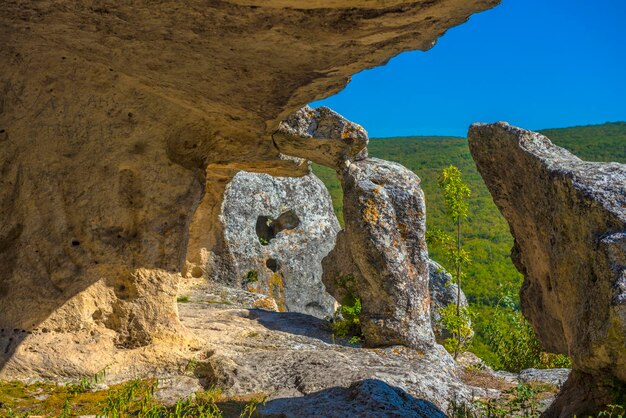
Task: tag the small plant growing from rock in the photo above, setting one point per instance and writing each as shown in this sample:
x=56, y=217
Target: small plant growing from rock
x=251, y=277
x=455, y=193
x=86, y=383
x=191, y=366
x=346, y=320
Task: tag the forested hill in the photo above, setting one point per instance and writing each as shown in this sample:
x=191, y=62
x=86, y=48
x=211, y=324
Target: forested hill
x=486, y=233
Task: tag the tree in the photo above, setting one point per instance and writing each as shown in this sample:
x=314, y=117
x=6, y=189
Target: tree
x=455, y=194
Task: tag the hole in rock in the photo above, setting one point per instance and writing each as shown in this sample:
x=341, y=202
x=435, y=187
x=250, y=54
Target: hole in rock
x=267, y=228
x=75, y=243
x=272, y=264
x=196, y=272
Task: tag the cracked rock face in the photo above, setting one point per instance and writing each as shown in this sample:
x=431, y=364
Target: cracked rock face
x=383, y=249
x=568, y=218
x=277, y=230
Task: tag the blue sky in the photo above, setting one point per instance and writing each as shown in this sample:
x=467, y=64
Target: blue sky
x=533, y=63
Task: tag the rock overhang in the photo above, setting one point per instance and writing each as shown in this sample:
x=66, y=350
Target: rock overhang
x=128, y=119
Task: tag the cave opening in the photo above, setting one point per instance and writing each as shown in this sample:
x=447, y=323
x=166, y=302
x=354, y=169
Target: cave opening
x=267, y=228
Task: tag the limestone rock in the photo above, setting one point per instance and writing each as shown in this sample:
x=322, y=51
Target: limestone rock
x=382, y=256
x=555, y=377
x=277, y=230
x=121, y=121
x=568, y=218
x=366, y=398
x=442, y=293
x=289, y=355
x=322, y=136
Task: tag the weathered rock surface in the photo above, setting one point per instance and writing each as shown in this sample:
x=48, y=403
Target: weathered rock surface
x=322, y=136
x=291, y=355
x=367, y=398
x=382, y=256
x=556, y=377
x=121, y=123
x=568, y=218
x=443, y=292
x=277, y=230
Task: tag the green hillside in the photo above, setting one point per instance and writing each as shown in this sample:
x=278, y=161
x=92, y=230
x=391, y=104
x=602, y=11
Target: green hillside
x=487, y=235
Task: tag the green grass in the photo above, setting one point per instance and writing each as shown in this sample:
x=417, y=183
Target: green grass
x=487, y=235
x=135, y=398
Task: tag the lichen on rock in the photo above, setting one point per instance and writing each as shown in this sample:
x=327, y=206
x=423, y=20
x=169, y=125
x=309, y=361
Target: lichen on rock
x=568, y=218
x=389, y=262
x=278, y=230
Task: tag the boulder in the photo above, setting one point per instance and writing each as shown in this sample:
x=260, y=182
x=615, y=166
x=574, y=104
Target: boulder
x=322, y=136
x=555, y=377
x=276, y=231
x=381, y=256
x=365, y=398
x=568, y=218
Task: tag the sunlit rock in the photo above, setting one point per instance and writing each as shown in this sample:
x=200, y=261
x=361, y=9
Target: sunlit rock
x=568, y=218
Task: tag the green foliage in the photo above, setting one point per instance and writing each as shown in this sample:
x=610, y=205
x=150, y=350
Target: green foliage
x=66, y=412
x=459, y=326
x=346, y=320
x=182, y=299
x=251, y=277
x=191, y=366
x=454, y=318
x=522, y=400
x=87, y=383
x=514, y=343
x=251, y=407
x=132, y=399
x=455, y=193
x=486, y=236
x=613, y=411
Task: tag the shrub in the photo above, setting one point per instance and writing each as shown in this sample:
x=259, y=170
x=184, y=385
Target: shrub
x=346, y=321
x=458, y=326
x=515, y=344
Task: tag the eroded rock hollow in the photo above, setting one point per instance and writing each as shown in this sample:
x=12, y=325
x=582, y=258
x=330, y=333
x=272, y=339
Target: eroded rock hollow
x=568, y=218
x=277, y=230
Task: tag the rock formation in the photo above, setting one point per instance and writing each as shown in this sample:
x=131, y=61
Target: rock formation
x=277, y=230
x=443, y=292
x=367, y=398
x=381, y=256
x=568, y=218
x=120, y=126
x=322, y=136
x=122, y=122
x=383, y=253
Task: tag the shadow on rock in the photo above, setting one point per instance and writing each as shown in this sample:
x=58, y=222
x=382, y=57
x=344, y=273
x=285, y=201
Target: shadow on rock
x=366, y=398
x=297, y=324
